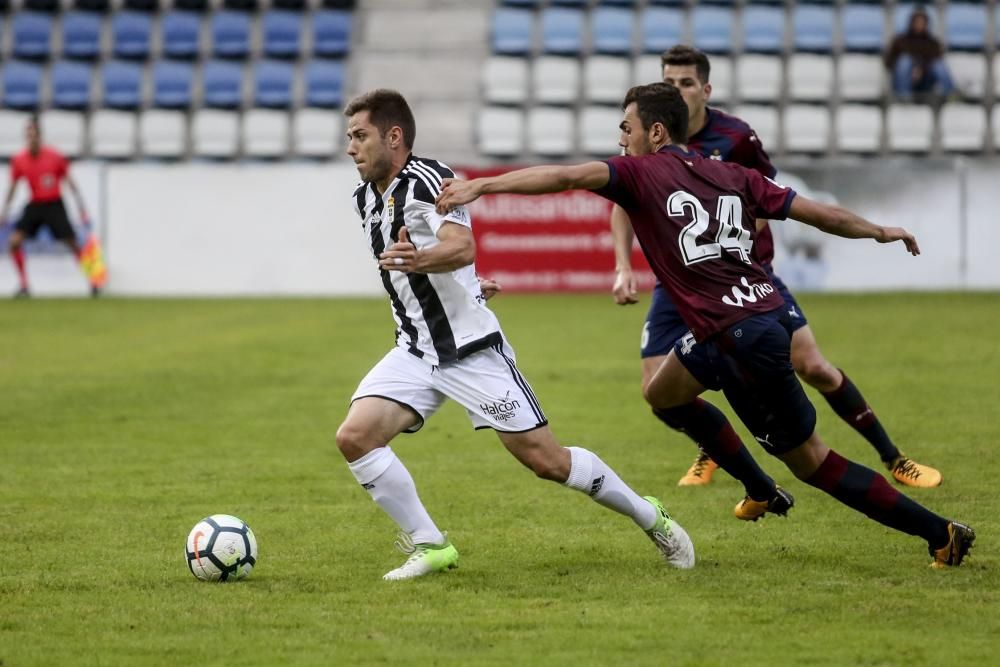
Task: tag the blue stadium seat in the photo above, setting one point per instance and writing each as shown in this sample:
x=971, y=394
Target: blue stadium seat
x=712, y=29
x=122, y=85
x=763, y=29
x=530, y=4
x=562, y=31
x=512, y=31
x=273, y=84
x=331, y=33
x=70, y=85
x=662, y=27
x=172, y=84
x=965, y=26
x=612, y=29
x=99, y=6
x=141, y=5
x=50, y=6
x=863, y=27
x=181, y=31
x=22, y=85
x=324, y=81
x=31, y=34
x=230, y=34
x=130, y=34
x=813, y=28
x=569, y=3
x=296, y=5
x=191, y=5
x=222, y=84
x=241, y=5
x=81, y=35
x=619, y=3
x=282, y=32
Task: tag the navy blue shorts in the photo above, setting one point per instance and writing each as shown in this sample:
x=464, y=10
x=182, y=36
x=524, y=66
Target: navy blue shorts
x=750, y=362
x=663, y=326
x=796, y=318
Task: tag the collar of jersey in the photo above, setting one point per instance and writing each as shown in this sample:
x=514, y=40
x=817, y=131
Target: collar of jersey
x=671, y=148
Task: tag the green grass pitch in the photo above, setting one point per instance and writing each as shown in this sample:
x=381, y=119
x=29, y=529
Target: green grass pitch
x=124, y=422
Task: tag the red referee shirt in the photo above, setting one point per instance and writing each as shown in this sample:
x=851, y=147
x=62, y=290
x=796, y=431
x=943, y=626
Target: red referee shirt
x=43, y=172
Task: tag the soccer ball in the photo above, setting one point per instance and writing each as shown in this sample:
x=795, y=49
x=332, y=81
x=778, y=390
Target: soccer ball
x=221, y=548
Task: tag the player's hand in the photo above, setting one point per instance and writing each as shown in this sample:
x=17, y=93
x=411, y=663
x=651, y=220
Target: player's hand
x=891, y=234
x=489, y=287
x=454, y=193
x=625, y=291
x=400, y=256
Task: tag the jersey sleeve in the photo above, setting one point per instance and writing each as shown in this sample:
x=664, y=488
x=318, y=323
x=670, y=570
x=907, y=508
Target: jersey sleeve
x=15, y=170
x=427, y=181
x=621, y=181
x=749, y=152
x=426, y=210
x=62, y=168
x=769, y=199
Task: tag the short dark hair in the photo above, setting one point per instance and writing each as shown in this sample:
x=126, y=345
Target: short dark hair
x=660, y=103
x=386, y=109
x=682, y=54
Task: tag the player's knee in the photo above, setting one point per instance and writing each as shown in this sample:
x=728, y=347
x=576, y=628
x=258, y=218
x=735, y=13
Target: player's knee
x=546, y=464
x=816, y=371
x=351, y=441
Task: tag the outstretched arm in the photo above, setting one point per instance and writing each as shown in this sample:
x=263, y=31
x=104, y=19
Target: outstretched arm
x=624, y=289
x=78, y=198
x=457, y=248
x=841, y=222
x=530, y=181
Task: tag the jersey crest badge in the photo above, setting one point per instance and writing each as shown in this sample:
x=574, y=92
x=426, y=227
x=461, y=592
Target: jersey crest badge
x=391, y=208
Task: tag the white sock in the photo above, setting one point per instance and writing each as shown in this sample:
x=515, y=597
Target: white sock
x=589, y=474
x=390, y=485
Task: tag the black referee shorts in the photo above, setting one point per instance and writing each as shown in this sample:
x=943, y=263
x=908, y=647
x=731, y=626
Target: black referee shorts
x=51, y=214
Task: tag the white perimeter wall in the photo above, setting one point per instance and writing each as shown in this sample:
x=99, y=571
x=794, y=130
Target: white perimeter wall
x=240, y=229
x=289, y=229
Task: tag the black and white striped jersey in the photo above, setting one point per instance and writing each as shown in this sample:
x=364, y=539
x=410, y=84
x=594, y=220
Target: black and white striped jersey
x=440, y=317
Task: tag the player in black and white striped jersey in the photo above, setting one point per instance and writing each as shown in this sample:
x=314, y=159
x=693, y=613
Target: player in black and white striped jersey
x=449, y=344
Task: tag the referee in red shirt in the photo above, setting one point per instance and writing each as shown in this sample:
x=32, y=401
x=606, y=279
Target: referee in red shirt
x=43, y=167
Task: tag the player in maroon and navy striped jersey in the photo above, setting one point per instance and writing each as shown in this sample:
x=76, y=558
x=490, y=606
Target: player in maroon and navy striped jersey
x=720, y=136
x=695, y=221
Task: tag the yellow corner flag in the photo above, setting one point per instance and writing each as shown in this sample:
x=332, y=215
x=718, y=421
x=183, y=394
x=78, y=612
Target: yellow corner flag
x=92, y=262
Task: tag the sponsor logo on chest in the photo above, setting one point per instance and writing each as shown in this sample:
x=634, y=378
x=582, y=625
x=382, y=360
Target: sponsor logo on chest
x=749, y=293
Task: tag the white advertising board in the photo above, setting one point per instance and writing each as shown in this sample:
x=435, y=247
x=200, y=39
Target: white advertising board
x=236, y=229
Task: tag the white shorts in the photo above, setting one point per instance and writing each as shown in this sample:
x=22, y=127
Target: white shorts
x=487, y=384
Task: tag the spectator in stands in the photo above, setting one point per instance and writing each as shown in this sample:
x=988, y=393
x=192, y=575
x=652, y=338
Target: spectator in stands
x=915, y=60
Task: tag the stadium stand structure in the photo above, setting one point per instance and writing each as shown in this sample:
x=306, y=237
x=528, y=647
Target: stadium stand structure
x=808, y=75
x=513, y=79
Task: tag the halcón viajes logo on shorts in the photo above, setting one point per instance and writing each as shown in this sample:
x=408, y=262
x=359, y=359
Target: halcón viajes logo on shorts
x=501, y=410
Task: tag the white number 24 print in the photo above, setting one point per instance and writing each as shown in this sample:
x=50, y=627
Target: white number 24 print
x=731, y=236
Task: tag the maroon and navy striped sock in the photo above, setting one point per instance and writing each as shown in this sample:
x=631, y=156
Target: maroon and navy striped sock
x=866, y=491
x=707, y=425
x=852, y=407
